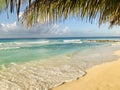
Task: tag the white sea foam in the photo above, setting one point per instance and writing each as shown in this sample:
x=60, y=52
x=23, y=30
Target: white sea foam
x=72, y=41
x=43, y=75
x=41, y=42
x=31, y=43
x=37, y=42
x=35, y=76
x=116, y=44
x=5, y=48
x=12, y=45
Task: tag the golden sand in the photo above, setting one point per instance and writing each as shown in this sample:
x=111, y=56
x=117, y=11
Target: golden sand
x=100, y=77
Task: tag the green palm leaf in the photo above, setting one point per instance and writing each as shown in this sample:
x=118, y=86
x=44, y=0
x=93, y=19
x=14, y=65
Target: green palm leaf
x=39, y=11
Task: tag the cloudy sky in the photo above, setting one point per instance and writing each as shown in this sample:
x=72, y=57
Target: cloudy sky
x=11, y=28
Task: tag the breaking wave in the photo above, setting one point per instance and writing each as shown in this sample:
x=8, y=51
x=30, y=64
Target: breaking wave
x=5, y=48
x=72, y=41
x=19, y=44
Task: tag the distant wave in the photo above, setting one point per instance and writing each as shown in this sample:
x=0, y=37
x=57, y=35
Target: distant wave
x=19, y=44
x=23, y=43
x=6, y=48
x=32, y=43
x=16, y=45
x=72, y=41
x=39, y=42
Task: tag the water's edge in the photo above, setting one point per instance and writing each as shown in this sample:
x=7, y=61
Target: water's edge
x=47, y=74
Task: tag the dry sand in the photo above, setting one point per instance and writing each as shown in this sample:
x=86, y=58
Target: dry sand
x=99, y=77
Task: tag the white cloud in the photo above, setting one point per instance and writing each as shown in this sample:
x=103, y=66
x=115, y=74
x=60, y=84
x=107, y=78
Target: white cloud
x=16, y=30
x=56, y=30
x=65, y=30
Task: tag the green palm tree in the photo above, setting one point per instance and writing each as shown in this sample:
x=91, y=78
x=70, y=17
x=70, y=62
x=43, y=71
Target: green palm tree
x=39, y=11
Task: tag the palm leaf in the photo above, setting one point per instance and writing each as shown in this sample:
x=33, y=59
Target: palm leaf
x=55, y=10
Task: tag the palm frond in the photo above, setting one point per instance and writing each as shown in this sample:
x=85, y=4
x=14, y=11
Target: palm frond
x=39, y=11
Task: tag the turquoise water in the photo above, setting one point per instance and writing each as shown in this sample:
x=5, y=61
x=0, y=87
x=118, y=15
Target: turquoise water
x=78, y=54
x=24, y=50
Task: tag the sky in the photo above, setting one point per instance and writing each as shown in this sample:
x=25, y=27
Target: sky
x=11, y=28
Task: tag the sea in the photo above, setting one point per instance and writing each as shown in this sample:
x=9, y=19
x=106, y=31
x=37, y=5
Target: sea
x=44, y=63
x=21, y=50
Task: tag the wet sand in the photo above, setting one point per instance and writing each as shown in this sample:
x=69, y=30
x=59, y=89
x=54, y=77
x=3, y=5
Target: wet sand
x=100, y=77
x=46, y=74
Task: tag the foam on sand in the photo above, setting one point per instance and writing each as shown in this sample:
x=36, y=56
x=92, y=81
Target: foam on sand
x=38, y=76
x=100, y=77
x=46, y=74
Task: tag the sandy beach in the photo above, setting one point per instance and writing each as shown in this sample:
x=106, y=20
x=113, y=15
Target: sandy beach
x=59, y=44
x=100, y=77
x=75, y=68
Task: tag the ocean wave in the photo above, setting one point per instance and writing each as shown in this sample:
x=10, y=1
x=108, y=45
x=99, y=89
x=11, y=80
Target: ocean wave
x=29, y=44
x=6, y=48
x=19, y=44
x=72, y=41
x=34, y=42
x=16, y=45
x=23, y=43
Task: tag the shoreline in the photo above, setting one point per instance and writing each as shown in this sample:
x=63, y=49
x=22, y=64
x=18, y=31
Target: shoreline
x=47, y=74
x=99, y=77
